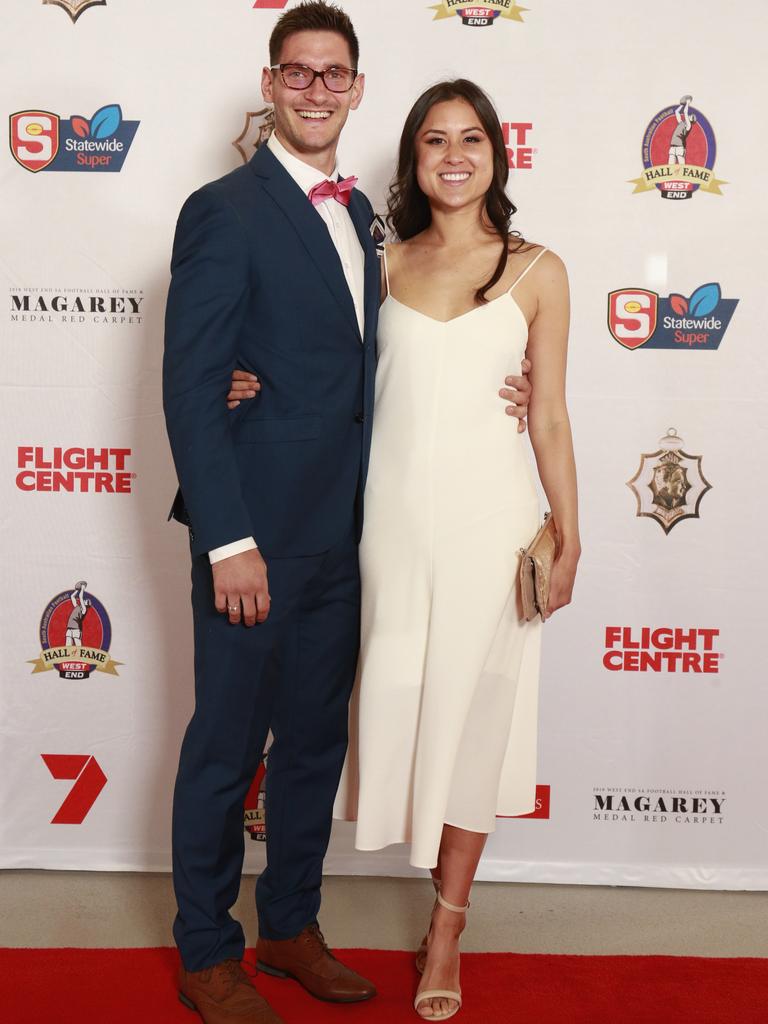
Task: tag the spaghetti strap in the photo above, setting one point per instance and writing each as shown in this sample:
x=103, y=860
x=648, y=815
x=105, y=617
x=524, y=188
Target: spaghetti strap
x=386, y=268
x=533, y=263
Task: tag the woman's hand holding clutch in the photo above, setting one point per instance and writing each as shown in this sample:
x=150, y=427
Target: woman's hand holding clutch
x=562, y=580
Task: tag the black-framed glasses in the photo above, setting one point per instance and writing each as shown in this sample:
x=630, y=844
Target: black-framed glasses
x=299, y=76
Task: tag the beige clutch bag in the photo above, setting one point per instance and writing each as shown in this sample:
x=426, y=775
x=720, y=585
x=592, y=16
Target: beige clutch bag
x=536, y=563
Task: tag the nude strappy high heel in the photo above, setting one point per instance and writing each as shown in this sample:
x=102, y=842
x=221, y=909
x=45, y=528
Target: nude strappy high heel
x=441, y=993
x=421, y=952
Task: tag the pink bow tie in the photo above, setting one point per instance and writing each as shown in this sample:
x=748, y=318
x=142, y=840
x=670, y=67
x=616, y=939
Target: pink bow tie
x=338, y=190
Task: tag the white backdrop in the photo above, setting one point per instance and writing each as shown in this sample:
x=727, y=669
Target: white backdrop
x=84, y=267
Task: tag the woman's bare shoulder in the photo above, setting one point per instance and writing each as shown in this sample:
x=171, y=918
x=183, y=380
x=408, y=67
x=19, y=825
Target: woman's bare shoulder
x=394, y=251
x=524, y=251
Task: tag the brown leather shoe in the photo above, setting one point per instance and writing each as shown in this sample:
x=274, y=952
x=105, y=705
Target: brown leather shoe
x=224, y=995
x=308, y=960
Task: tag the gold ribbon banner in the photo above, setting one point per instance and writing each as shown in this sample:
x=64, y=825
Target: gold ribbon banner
x=506, y=8
x=701, y=176
x=97, y=659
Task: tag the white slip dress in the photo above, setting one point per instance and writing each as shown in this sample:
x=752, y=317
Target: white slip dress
x=443, y=719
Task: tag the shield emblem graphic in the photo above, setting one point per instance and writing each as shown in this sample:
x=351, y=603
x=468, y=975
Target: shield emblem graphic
x=75, y=8
x=632, y=315
x=34, y=138
x=259, y=125
x=669, y=484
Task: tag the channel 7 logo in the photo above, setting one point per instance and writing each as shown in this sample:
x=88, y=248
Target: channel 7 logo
x=89, y=780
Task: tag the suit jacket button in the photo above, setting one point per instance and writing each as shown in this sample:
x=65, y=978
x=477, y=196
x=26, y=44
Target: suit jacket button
x=359, y=418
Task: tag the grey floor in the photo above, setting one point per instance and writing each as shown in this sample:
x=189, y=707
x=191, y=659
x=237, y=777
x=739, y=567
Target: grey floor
x=58, y=908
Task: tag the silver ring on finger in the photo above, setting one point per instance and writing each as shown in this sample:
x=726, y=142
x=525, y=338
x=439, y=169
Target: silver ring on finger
x=233, y=608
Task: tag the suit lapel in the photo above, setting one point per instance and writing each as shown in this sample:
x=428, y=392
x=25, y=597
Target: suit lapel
x=308, y=224
x=372, y=289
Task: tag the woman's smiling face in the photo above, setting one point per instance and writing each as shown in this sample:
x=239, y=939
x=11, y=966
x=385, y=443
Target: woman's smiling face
x=454, y=156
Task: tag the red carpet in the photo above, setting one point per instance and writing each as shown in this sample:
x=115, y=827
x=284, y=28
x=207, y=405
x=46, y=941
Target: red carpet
x=113, y=986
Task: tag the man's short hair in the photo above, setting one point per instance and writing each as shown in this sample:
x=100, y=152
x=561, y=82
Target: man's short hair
x=313, y=16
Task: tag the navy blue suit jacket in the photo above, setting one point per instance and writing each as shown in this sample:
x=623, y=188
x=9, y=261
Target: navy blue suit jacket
x=257, y=284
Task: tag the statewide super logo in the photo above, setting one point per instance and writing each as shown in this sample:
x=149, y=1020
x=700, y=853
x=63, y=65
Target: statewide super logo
x=679, y=153
x=478, y=15
x=669, y=484
x=42, y=141
x=75, y=636
x=638, y=318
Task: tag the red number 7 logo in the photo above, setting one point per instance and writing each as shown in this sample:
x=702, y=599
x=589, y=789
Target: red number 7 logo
x=270, y=5
x=89, y=782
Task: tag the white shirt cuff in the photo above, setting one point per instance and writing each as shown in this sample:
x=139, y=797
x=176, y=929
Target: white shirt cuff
x=235, y=548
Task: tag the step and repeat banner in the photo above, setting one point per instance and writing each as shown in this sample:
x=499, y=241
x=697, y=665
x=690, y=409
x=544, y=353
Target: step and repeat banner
x=636, y=152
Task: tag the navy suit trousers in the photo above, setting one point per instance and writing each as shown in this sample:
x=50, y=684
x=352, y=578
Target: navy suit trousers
x=292, y=674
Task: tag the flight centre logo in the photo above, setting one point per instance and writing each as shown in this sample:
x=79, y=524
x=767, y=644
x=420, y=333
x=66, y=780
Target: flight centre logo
x=678, y=153
x=517, y=140
x=74, y=470
x=42, y=141
x=662, y=649
x=639, y=318
x=478, y=15
x=75, y=636
x=75, y=8
x=669, y=484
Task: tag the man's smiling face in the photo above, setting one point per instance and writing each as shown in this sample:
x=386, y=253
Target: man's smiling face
x=309, y=121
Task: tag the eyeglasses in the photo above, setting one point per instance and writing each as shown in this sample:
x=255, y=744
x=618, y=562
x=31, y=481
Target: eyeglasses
x=299, y=76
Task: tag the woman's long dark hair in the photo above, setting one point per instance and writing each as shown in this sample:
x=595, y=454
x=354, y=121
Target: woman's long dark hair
x=409, y=211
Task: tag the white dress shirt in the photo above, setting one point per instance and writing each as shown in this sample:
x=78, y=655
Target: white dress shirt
x=343, y=235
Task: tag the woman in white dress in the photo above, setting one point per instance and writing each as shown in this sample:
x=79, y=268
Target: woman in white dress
x=443, y=720
x=447, y=697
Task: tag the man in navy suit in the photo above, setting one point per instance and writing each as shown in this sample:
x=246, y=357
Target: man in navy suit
x=274, y=272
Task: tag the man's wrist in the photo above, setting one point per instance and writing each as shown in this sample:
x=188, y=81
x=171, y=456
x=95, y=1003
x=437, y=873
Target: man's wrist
x=228, y=550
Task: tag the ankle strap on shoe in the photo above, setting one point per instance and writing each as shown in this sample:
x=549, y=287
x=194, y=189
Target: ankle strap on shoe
x=451, y=906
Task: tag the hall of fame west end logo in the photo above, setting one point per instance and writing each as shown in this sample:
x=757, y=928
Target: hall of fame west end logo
x=482, y=15
x=75, y=636
x=75, y=8
x=254, y=808
x=678, y=153
x=669, y=484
